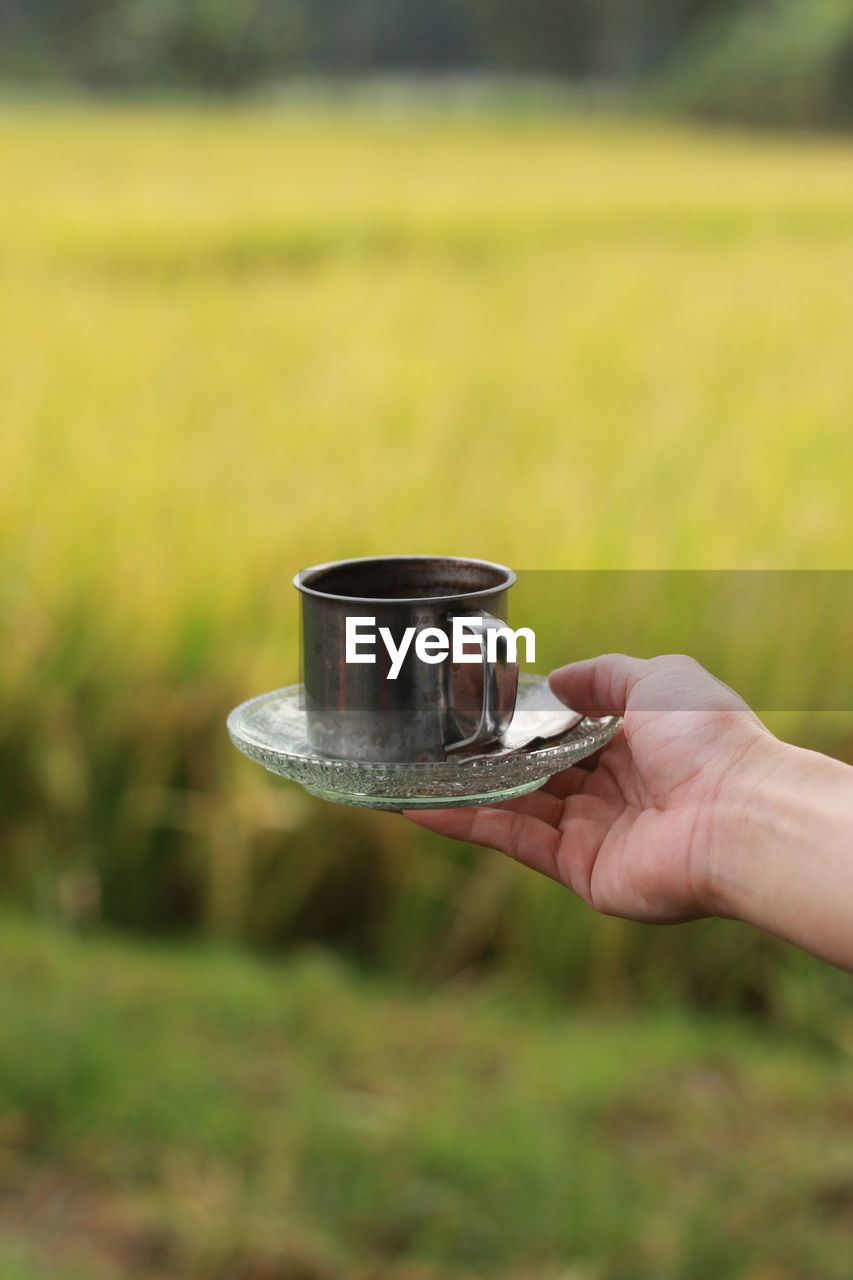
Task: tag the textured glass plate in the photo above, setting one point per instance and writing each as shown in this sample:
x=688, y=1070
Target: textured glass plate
x=271, y=730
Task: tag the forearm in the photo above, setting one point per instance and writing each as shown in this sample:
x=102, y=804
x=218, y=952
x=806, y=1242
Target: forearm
x=784, y=859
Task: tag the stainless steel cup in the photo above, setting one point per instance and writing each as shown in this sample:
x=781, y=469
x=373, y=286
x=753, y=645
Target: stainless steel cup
x=353, y=710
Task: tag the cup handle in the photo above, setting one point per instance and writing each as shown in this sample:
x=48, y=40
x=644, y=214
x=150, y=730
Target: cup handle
x=500, y=686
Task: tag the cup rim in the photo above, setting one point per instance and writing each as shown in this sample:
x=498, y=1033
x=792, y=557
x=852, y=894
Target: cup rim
x=509, y=577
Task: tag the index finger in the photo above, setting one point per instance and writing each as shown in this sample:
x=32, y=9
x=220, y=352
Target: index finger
x=522, y=836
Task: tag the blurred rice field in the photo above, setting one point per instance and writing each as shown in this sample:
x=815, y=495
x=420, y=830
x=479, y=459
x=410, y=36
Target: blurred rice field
x=239, y=342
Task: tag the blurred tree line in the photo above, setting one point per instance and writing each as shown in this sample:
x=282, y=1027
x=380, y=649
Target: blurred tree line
x=775, y=61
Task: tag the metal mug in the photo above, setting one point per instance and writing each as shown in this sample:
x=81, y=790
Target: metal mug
x=353, y=710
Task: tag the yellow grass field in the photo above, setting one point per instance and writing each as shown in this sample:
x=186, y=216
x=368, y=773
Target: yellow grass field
x=236, y=342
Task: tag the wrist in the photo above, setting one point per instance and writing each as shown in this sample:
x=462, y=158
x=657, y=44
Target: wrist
x=784, y=819
x=745, y=815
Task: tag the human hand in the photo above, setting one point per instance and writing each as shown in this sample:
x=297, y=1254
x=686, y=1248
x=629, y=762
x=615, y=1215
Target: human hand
x=636, y=830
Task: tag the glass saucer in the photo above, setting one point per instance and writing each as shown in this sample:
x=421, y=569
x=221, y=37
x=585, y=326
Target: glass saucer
x=271, y=730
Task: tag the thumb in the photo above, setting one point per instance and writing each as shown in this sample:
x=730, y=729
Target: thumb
x=598, y=686
x=671, y=682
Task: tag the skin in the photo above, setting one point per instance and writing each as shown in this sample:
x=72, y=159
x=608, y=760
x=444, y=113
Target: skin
x=694, y=809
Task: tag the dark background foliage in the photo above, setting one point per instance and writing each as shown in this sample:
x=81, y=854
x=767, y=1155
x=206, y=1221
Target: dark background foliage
x=767, y=61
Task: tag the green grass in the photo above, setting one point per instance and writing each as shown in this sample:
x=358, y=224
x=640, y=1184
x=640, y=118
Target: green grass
x=196, y=1113
x=240, y=342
